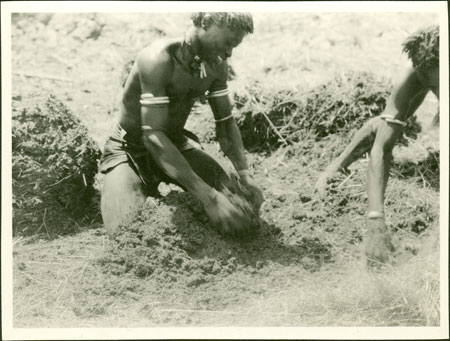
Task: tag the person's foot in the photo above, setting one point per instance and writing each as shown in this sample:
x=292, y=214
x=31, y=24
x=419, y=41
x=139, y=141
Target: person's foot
x=378, y=246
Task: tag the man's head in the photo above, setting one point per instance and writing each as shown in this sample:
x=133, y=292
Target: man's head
x=422, y=48
x=221, y=32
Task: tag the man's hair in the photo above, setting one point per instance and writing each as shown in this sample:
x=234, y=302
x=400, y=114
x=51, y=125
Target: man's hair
x=233, y=20
x=422, y=48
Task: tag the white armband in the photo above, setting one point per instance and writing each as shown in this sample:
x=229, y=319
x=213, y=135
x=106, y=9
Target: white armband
x=391, y=119
x=149, y=100
x=218, y=93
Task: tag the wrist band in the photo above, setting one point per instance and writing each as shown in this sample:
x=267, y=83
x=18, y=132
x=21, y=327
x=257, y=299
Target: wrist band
x=375, y=215
x=224, y=119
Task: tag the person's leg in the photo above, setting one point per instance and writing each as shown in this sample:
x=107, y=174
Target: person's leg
x=122, y=195
x=359, y=145
x=207, y=168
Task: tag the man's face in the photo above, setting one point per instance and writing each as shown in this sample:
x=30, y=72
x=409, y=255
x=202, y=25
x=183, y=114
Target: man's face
x=218, y=42
x=430, y=79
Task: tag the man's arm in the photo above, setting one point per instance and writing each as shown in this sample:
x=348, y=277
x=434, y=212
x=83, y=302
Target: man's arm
x=228, y=133
x=405, y=98
x=230, y=139
x=155, y=70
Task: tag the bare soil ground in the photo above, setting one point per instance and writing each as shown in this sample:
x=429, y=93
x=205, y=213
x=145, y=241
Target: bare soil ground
x=304, y=267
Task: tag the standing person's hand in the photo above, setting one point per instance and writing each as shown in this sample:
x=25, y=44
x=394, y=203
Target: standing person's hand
x=324, y=179
x=321, y=186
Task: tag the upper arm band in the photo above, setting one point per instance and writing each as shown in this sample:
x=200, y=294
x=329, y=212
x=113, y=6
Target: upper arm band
x=149, y=100
x=391, y=119
x=218, y=93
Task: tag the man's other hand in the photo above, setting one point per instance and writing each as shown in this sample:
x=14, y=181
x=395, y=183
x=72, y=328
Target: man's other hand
x=325, y=178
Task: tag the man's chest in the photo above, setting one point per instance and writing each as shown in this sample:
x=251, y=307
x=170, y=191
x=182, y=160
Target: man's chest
x=187, y=86
x=190, y=83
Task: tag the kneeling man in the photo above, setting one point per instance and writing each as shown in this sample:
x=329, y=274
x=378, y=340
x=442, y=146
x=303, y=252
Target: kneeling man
x=149, y=143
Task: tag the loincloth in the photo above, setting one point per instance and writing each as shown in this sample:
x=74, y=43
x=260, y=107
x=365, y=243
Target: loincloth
x=123, y=148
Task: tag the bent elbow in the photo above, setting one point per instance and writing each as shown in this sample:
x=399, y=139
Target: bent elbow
x=153, y=141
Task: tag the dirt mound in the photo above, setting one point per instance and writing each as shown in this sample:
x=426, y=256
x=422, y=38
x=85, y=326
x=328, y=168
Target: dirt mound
x=269, y=117
x=54, y=165
x=172, y=241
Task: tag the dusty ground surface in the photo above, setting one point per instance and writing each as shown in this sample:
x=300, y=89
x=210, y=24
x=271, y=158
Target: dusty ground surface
x=169, y=267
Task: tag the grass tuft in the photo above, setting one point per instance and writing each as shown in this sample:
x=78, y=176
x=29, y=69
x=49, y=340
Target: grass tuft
x=270, y=117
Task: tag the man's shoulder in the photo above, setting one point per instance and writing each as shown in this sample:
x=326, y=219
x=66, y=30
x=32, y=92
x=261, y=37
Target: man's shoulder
x=158, y=53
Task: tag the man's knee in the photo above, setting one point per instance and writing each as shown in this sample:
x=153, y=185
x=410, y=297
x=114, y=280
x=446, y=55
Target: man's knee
x=122, y=195
x=373, y=124
x=122, y=179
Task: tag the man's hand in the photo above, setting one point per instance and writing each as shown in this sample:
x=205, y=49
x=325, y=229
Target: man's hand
x=225, y=216
x=255, y=194
x=378, y=244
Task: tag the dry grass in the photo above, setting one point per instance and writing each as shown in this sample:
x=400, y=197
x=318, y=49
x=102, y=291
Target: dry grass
x=396, y=296
x=66, y=288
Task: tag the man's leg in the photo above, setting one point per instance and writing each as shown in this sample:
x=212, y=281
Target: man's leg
x=122, y=195
x=359, y=145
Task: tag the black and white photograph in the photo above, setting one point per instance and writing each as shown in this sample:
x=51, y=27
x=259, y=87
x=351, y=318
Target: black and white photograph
x=225, y=169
